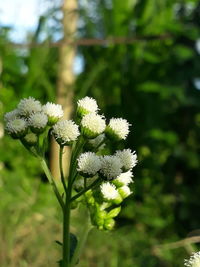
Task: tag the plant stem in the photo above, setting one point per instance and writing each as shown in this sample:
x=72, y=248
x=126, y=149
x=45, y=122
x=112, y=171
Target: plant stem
x=61, y=169
x=67, y=206
x=66, y=232
x=51, y=181
x=83, y=237
x=86, y=189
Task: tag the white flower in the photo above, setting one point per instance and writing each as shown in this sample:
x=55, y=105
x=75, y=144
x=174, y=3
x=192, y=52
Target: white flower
x=11, y=115
x=124, y=191
x=29, y=105
x=128, y=158
x=65, y=132
x=194, y=260
x=53, y=111
x=111, y=167
x=124, y=178
x=38, y=121
x=97, y=141
x=89, y=163
x=109, y=191
x=93, y=125
x=87, y=105
x=17, y=127
x=117, y=129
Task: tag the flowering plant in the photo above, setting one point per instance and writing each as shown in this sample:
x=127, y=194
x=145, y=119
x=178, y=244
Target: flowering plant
x=95, y=179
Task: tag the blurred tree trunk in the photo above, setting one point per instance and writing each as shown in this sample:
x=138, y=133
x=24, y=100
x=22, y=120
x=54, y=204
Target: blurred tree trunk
x=66, y=78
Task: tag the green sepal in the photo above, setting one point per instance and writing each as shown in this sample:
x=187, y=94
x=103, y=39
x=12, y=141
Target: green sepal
x=113, y=213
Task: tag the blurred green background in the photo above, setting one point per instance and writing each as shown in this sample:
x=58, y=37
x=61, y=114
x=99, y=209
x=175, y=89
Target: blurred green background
x=151, y=78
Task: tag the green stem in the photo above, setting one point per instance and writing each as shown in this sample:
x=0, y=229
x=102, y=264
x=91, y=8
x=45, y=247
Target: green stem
x=51, y=181
x=61, y=169
x=81, y=243
x=66, y=232
x=86, y=189
x=67, y=207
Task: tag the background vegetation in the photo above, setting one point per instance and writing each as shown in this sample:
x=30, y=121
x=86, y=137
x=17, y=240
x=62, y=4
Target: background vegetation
x=154, y=82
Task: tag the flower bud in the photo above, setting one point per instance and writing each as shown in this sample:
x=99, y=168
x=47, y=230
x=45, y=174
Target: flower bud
x=110, y=193
x=124, y=191
x=124, y=178
x=109, y=224
x=30, y=139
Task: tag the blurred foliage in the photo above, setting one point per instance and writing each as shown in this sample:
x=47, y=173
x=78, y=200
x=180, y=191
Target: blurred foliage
x=152, y=83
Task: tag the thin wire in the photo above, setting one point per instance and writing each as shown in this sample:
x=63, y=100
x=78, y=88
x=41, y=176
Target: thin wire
x=94, y=41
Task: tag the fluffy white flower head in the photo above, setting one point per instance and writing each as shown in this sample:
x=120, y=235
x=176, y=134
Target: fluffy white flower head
x=111, y=167
x=65, y=131
x=87, y=105
x=53, y=111
x=194, y=260
x=29, y=105
x=109, y=191
x=11, y=115
x=128, y=158
x=38, y=120
x=93, y=125
x=124, y=178
x=16, y=127
x=89, y=163
x=118, y=128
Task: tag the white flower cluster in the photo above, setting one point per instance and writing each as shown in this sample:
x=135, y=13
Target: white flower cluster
x=31, y=117
x=114, y=172
x=193, y=261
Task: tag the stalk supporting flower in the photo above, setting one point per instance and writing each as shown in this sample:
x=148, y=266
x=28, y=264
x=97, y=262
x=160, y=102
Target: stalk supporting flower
x=97, y=180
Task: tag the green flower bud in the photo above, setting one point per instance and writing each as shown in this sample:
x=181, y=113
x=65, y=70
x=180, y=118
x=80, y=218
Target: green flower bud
x=30, y=139
x=109, y=224
x=124, y=191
